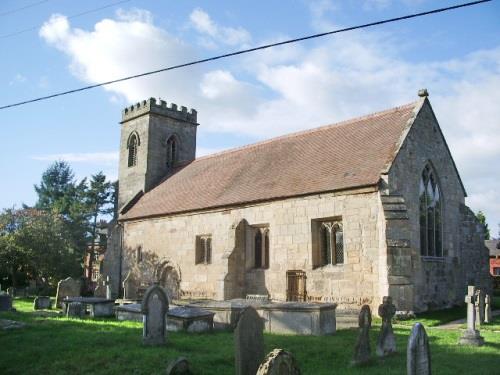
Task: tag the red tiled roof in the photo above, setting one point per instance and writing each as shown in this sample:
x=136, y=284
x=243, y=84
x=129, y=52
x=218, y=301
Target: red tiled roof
x=341, y=156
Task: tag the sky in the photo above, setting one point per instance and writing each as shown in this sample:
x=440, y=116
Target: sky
x=244, y=99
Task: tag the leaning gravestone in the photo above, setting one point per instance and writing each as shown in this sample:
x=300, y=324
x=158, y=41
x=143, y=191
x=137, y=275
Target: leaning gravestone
x=487, y=309
x=179, y=366
x=279, y=362
x=248, y=342
x=68, y=287
x=154, y=315
x=471, y=335
x=42, y=302
x=130, y=286
x=418, y=354
x=75, y=310
x=362, y=349
x=386, y=343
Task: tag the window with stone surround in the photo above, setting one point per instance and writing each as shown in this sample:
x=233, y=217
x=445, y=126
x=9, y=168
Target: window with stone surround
x=132, y=144
x=172, y=150
x=328, y=242
x=203, y=249
x=431, y=233
x=261, y=247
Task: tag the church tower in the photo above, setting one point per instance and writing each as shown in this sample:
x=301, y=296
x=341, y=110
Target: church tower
x=154, y=139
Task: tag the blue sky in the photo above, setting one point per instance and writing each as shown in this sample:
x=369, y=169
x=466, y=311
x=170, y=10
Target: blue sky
x=456, y=55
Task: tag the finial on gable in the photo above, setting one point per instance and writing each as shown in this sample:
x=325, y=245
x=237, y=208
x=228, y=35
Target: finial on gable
x=423, y=93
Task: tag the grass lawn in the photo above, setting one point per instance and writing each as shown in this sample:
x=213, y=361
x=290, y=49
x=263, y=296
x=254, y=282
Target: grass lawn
x=54, y=345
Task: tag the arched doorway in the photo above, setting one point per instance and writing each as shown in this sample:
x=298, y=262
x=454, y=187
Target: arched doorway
x=169, y=279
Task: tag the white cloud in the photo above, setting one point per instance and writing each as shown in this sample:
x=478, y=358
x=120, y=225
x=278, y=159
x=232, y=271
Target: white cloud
x=18, y=78
x=91, y=157
x=299, y=86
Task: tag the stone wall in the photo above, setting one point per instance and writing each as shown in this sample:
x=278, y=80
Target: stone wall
x=421, y=283
x=231, y=275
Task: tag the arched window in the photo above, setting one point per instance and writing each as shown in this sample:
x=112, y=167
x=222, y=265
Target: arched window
x=261, y=247
x=431, y=243
x=172, y=150
x=266, y=248
x=331, y=243
x=258, y=248
x=203, y=251
x=132, y=144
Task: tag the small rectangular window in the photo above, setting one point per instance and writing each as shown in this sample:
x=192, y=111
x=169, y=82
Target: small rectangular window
x=203, y=252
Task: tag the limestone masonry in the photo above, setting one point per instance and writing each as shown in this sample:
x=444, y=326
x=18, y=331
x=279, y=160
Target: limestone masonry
x=346, y=213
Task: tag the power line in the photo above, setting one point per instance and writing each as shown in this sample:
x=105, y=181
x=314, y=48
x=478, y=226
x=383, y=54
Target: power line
x=22, y=8
x=69, y=17
x=434, y=11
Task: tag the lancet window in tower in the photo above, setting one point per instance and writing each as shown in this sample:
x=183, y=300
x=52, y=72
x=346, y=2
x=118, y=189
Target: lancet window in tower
x=133, y=143
x=172, y=150
x=431, y=233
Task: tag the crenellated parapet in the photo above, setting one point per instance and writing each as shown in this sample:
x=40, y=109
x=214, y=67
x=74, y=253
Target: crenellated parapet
x=160, y=108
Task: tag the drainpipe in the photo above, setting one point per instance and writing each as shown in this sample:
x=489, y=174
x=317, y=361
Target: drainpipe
x=121, y=226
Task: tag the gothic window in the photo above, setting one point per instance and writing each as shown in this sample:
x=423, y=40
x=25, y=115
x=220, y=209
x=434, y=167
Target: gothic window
x=431, y=242
x=203, y=249
x=330, y=244
x=261, y=248
x=132, y=144
x=172, y=150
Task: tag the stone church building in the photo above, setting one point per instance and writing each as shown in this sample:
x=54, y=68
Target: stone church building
x=345, y=213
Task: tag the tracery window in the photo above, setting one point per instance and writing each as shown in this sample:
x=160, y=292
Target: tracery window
x=331, y=243
x=133, y=143
x=261, y=248
x=172, y=150
x=203, y=249
x=431, y=234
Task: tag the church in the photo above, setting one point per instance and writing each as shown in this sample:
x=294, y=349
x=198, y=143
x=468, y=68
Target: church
x=345, y=213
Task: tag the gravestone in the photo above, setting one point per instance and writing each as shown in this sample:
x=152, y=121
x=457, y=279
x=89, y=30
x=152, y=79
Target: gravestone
x=11, y=291
x=386, y=343
x=362, y=349
x=179, y=366
x=154, y=314
x=75, y=310
x=487, y=308
x=42, y=302
x=248, y=342
x=68, y=287
x=471, y=335
x=107, y=284
x=279, y=362
x=418, y=354
x=479, y=303
x=130, y=286
x=5, y=302
x=100, y=289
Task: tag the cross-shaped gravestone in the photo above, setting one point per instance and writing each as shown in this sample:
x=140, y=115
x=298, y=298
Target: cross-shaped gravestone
x=154, y=309
x=418, y=355
x=471, y=335
x=386, y=343
x=362, y=349
x=248, y=342
x=487, y=308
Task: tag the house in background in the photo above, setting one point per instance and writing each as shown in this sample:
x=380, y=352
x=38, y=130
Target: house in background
x=494, y=251
x=345, y=213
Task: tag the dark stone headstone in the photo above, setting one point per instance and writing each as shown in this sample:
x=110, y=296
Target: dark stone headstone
x=42, y=302
x=5, y=302
x=179, y=366
x=279, y=362
x=418, y=355
x=386, y=343
x=362, y=350
x=248, y=342
x=154, y=309
x=68, y=287
x=75, y=310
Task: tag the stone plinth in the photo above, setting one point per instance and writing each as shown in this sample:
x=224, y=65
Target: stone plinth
x=471, y=337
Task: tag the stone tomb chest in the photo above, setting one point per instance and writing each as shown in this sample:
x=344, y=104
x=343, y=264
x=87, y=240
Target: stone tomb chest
x=99, y=307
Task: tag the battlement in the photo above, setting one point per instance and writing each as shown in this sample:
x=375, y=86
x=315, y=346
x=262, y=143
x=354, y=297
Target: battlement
x=161, y=108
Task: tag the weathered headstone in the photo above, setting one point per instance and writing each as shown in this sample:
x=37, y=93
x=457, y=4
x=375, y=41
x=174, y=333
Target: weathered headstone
x=487, y=308
x=418, y=354
x=68, y=287
x=5, y=302
x=248, y=342
x=42, y=302
x=479, y=303
x=75, y=310
x=386, y=343
x=279, y=362
x=130, y=286
x=154, y=310
x=179, y=366
x=471, y=335
x=362, y=349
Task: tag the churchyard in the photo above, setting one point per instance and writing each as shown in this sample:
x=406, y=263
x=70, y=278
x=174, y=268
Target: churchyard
x=50, y=343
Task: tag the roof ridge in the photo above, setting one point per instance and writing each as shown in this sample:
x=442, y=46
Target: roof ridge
x=309, y=131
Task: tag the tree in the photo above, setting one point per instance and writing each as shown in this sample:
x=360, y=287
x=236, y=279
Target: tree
x=482, y=219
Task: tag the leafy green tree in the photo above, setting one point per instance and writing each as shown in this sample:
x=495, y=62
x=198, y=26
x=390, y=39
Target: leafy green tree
x=482, y=219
